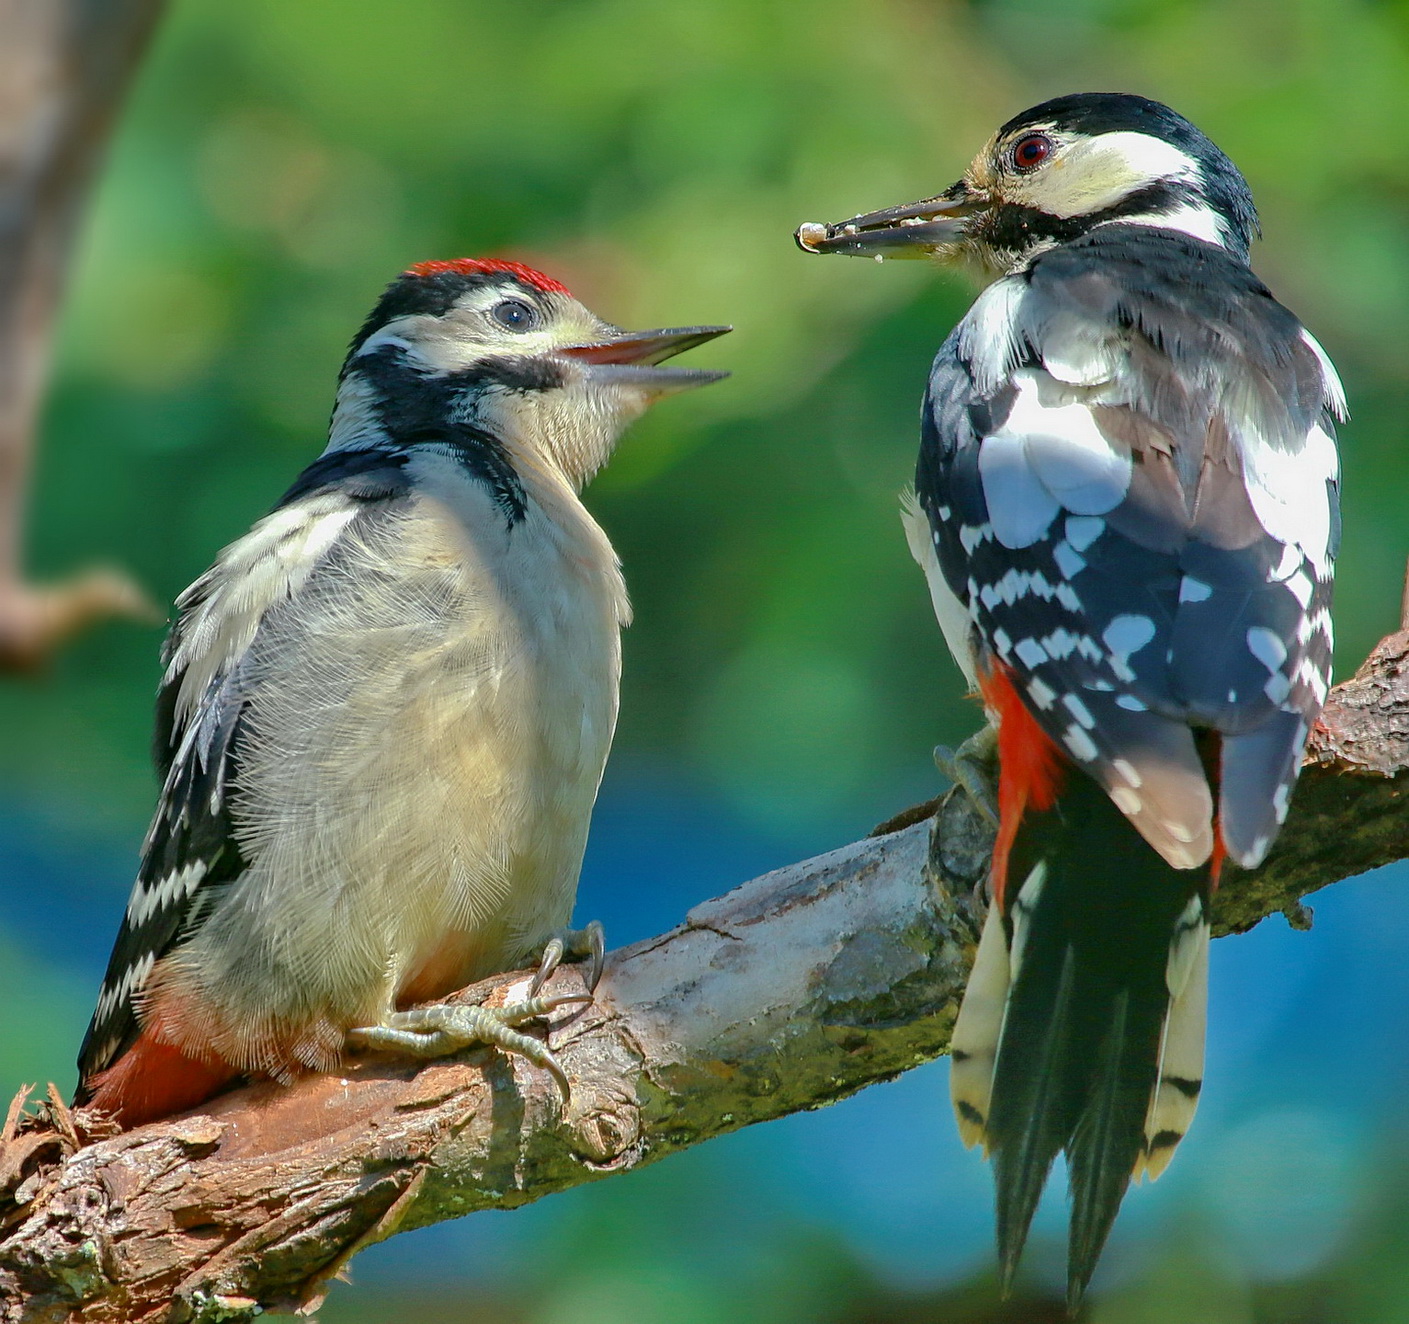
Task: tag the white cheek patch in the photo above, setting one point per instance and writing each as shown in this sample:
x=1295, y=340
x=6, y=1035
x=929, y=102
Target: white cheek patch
x=1098, y=172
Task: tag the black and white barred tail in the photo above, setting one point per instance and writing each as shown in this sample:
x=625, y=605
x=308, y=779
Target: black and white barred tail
x=1082, y=1029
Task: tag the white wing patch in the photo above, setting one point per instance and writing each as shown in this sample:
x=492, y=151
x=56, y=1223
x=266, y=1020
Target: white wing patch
x=1289, y=494
x=270, y=563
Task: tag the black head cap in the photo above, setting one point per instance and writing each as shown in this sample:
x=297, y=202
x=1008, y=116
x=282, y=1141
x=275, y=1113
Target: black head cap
x=1094, y=113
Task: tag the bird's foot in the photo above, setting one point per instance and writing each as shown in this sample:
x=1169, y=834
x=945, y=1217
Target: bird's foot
x=974, y=766
x=443, y=1029
x=587, y=944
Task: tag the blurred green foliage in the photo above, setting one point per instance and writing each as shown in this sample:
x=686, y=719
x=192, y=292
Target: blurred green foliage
x=279, y=162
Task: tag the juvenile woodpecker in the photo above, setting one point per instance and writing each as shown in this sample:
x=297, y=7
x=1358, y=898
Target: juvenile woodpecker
x=1128, y=479
x=386, y=709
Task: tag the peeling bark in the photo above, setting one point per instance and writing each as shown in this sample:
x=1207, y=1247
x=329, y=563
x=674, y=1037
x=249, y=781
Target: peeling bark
x=790, y=992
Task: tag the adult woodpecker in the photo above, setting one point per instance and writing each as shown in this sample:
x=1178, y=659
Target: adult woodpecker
x=1128, y=479
x=386, y=709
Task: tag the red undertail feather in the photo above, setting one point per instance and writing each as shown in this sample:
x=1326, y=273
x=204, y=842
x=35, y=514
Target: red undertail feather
x=154, y=1079
x=1030, y=767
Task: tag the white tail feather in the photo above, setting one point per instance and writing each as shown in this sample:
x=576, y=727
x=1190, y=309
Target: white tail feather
x=1181, y=1069
x=973, y=1047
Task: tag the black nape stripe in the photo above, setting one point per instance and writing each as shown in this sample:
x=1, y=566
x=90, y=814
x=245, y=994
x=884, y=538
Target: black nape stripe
x=1012, y=228
x=484, y=456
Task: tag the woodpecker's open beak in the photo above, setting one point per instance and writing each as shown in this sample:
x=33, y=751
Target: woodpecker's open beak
x=918, y=227
x=633, y=358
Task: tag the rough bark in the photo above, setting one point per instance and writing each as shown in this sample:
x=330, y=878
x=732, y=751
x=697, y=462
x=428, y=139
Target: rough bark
x=64, y=68
x=790, y=992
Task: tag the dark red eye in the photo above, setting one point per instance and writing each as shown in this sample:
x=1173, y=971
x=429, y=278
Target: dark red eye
x=1031, y=152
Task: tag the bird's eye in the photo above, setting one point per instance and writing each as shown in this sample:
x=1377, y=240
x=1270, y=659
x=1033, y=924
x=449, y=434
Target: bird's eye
x=514, y=314
x=1030, y=152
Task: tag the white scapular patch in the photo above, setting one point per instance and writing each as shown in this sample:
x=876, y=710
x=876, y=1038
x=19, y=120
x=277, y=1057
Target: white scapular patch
x=1288, y=491
x=1131, y=704
x=1067, y=559
x=1074, y=354
x=1083, y=530
x=952, y=615
x=1330, y=378
x=1290, y=562
x=1299, y=586
x=1048, y=456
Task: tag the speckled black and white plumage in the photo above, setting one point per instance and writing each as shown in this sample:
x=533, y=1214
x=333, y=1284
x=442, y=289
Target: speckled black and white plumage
x=1128, y=478
x=1129, y=468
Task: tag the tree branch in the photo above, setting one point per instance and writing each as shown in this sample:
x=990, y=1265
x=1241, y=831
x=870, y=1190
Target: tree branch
x=790, y=992
x=64, y=68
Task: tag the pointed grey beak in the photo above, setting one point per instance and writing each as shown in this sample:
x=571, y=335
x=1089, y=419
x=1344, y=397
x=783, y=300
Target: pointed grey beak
x=633, y=358
x=910, y=230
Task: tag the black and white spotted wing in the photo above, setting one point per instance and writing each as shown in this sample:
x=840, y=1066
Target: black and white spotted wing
x=1129, y=468
x=191, y=852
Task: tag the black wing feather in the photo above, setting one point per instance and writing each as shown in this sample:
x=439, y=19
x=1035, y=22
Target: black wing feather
x=191, y=852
